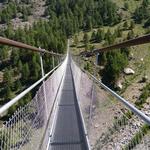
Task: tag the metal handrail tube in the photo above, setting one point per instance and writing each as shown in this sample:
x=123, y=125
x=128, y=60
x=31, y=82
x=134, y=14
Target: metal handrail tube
x=5, y=41
x=125, y=102
x=82, y=118
x=21, y=95
x=121, y=99
x=133, y=42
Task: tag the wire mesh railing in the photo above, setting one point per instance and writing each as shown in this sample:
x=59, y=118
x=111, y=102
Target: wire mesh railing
x=29, y=126
x=109, y=122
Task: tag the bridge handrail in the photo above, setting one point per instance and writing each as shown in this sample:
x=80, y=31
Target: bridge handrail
x=121, y=99
x=5, y=41
x=22, y=94
x=133, y=42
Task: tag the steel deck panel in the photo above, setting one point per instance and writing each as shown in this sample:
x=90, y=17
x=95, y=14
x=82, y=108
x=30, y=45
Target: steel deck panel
x=67, y=147
x=67, y=98
x=68, y=131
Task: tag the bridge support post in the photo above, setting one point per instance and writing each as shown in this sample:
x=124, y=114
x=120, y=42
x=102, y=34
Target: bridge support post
x=53, y=61
x=44, y=89
x=93, y=94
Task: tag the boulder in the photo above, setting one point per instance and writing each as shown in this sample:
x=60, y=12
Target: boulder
x=142, y=59
x=129, y=71
x=96, y=125
x=86, y=59
x=119, y=85
x=102, y=67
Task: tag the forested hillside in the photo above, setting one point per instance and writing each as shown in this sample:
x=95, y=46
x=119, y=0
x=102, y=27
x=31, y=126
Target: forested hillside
x=133, y=21
x=63, y=19
x=124, y=22
x=18, y=68
x=75, y=15
x=89, y=24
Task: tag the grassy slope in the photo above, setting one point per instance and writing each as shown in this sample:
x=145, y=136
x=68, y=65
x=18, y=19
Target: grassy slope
x=37, y=12
x=138, y=52
x=131, y=86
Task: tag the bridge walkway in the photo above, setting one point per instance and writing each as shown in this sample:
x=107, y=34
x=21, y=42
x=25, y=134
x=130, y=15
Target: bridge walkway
x=68, y=133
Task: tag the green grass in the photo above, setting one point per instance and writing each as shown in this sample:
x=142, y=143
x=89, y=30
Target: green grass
x=137, y=137
x=142, y=51
x=132, y=4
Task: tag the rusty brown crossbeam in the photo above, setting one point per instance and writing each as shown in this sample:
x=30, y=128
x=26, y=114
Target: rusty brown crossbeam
x=5, y=41
x=137, y=41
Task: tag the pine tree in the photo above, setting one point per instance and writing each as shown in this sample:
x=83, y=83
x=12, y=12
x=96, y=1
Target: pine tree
x=9, y=31
x=145, y=3
x=93, y=36
x=3, y=53
x=118, y=32
x=18, y=85
x=35, y=68
x=25, y=14
x=100, y=35
x=27, y=98
x=15, y=57
x=109, y=37
x=126, y=5
x=20, y=65
x=147, y=23
x=125, y=51
x=125, y=25
x=25, y=72
x=76, y=40
x=7, y=78
x=8, y=92
x=86, y=38
x=142, y=12
x=89, y=23
x=86, y=47
x=102, y=59
x=116, y=61
x=132, y=25
x=130, y=35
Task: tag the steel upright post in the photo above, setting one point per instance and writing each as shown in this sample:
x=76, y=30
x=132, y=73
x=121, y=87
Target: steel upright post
x=53, y=61
x=93, y=96
x=44, y=90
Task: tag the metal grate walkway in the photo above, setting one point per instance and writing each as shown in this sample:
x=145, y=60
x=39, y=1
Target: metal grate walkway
x=68, y=131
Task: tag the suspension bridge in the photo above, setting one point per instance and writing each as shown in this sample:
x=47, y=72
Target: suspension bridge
x=61, y=116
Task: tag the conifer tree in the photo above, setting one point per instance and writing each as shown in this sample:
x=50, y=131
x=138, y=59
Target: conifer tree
x=100, y=35
x=86, y=38
x=8, y=92
x=7, y=78
x=25, y=72
x=93, y=36
x=76, y=40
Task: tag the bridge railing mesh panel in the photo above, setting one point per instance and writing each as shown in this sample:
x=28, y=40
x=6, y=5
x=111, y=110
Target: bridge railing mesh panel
x=109, y=124
x=28, y=128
